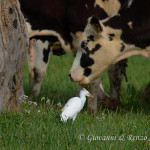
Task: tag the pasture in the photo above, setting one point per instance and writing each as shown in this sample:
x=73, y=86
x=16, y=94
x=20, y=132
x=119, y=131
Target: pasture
x=39, y=127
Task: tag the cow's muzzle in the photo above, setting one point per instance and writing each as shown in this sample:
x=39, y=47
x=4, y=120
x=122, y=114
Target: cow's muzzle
x=77, y=76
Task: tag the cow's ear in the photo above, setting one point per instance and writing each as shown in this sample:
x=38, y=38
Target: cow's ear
x=95, y=24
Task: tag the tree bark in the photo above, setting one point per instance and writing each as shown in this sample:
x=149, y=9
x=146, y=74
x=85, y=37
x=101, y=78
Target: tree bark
x=13, y=48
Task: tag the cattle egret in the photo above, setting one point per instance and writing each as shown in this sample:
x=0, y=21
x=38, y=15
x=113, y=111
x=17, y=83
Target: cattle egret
x=74, y=106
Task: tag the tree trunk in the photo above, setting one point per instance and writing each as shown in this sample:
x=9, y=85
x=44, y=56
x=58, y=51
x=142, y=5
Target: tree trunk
x=13, y=48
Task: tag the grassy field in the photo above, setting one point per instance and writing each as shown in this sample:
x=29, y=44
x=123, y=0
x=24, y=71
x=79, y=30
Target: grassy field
x=39, y=127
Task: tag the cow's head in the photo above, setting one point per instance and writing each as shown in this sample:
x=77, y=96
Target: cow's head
x=99, y=47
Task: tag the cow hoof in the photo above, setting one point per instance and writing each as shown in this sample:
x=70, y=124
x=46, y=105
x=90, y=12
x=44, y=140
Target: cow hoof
x=111, y=103
x=58, y=52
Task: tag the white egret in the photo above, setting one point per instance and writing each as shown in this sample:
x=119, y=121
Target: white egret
x=74, y=106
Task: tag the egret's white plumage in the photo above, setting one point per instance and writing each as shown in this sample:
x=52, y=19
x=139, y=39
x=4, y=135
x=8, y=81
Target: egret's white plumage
x=74, y=106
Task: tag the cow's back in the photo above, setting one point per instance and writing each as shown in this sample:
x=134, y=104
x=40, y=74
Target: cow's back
x=43, y=14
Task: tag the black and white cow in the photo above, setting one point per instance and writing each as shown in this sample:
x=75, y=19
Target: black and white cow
x=104, y=42
x=57, y=25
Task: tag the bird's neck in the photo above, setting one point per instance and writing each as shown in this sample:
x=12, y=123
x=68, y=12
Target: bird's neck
x=83, y=98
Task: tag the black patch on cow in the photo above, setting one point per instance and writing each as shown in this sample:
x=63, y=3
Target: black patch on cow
x=87, y=72
x=112, y=22
x=111, y=36
x=14, y=80
x=58, y=52
x=15, y=23
x=91, y=37
x=84, y=45
x=44, y=38
x=10, y=10
x=86, y=61
x=122, y=47
x=123, y=2
x=140, y=34
x=46, y=54
x=97, y=47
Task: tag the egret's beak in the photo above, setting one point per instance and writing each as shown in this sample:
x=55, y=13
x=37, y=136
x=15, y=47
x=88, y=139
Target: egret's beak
x=90, y=95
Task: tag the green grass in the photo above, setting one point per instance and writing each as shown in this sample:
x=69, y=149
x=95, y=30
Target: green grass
x=43, y=130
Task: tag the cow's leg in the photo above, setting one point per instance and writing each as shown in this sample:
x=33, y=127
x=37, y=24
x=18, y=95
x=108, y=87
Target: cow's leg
x=38, y=58
x=146, y=93
x=115, y=75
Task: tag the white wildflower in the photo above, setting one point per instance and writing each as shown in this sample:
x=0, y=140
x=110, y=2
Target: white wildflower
x=103, y=118
x=29, y=102
x=24, y=102
x=48, y=102
x=97, y=118
x=59, y=104
x=43, y=99
x=39, y=111
x=34, y=103
x=20, y=98
x=25, y=96
x=28, y=111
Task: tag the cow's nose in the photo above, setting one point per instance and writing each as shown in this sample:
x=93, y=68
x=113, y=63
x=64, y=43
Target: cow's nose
x=69, y=75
